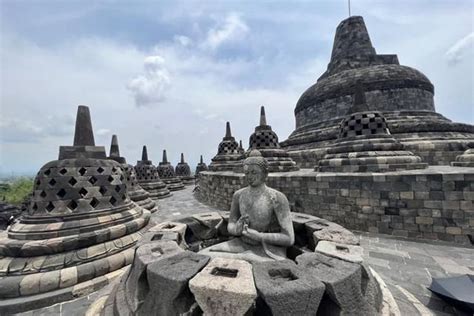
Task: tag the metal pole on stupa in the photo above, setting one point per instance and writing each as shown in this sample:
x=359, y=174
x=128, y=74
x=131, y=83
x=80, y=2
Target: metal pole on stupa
x=135, y=191
x=80, y=218
x=183, y=171
x=149, y=179
x=167, y=174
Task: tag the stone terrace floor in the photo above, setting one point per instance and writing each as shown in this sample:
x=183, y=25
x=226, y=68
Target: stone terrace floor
x=406, y=266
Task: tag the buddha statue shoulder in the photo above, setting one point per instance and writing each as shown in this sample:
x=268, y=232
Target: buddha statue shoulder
x=259, y=218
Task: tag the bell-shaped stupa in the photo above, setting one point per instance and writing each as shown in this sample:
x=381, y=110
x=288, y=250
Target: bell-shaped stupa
x=135, y=191
x=366, y=145
x=149, y=179
x=241, y=148
x=183, y=171
x=166, y=172
x=466, y=159
x=403, y=95
x=201, y=166
x=79, y=228
x=228, y=154
x=265, y=140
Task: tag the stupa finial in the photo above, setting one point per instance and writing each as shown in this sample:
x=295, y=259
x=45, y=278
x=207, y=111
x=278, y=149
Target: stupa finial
x=227, y=130
x=201, y=161
x=83, y=135
x=144, y=154
x=114, y=147
x=165, y=157
x=182, y=158
x=263, y=118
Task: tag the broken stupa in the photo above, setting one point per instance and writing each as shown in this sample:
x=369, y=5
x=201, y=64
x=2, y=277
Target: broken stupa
x=228, y=153
x=79, y=230
x=265, y=140
x=166, y=172
x=136, y=193
x=201, y=166
x=365, y=143
x=183, y=171
x=148, y=178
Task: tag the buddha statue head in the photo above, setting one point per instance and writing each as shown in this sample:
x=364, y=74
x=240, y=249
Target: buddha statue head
x=255, y=169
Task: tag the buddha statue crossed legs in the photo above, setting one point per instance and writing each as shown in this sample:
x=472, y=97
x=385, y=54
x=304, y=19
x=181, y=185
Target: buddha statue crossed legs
x=259, y=218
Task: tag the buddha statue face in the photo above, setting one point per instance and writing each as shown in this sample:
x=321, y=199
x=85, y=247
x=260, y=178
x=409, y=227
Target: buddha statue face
x=254, y=174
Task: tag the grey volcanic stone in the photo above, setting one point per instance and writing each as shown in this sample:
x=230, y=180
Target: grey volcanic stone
x=83, y=135
x=343, y=282
x=136, y=285
x=288, y=289
x=168, y=281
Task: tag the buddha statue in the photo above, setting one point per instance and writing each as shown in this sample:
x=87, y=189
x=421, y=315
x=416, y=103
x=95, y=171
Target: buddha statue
x=259, y=218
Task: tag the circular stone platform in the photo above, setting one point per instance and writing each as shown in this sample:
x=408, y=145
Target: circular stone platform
x=325, y=273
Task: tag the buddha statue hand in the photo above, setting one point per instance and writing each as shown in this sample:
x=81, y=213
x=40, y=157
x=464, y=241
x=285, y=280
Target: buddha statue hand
x=252, y=233
x=240, y=225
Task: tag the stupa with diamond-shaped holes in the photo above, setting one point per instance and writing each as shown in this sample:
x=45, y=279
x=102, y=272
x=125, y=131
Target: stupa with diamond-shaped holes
x=79, y=230
x=166, y=172
x=148, y=178
x=183, y=171
x=135, y=191
x=228, y=153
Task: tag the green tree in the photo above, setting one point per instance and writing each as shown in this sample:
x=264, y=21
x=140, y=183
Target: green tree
x=17, y=191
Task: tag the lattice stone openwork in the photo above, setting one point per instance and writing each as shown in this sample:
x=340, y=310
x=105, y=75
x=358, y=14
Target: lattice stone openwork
x=63, y=188
x=364, y=123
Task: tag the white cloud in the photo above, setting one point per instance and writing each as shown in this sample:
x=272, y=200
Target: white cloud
x=461, y=49
x=232, y=29
x=183, y=40
x=102, y=131
x=150, y=88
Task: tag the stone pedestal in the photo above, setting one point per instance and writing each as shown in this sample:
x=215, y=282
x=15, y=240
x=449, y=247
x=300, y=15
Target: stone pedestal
x=224, y=287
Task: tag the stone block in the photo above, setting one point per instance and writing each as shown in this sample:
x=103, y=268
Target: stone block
x=424, y=220
x=343, y=282
x=179, y=228
x=168, y=283
x=224, y=287
x=136, y=285
x=287, y=289
x=345, y=252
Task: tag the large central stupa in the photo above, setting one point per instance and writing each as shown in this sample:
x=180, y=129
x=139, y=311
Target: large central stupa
x=403, y=94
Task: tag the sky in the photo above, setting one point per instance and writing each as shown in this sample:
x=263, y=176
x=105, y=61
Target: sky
x=169, y=74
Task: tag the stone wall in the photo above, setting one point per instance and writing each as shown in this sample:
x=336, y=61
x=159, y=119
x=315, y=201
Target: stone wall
x=435, y=203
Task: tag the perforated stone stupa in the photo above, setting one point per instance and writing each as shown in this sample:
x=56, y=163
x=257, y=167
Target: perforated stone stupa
x=266, y=141
x=228, y=153
x=366, y=145
x=79, y=228
x=402, y=94
x=135, y=191
x=183, y=171
x=148, y=178
x=201, y=166
x=166, y=172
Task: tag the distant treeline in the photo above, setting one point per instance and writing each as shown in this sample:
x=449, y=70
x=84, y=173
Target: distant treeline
x=17, y=191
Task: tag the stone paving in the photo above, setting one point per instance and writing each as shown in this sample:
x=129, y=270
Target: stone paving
x=406, y=266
